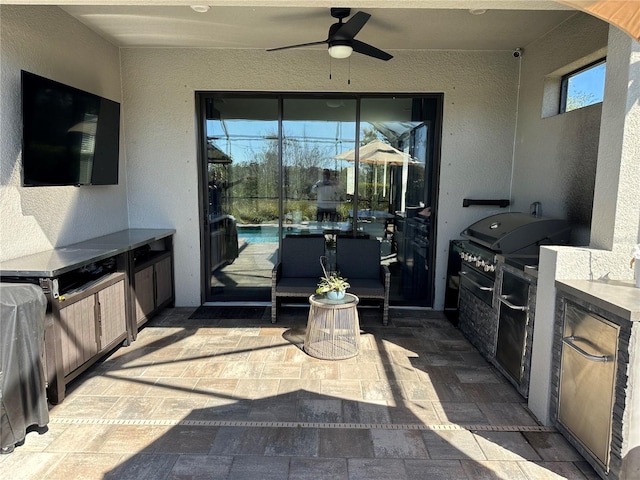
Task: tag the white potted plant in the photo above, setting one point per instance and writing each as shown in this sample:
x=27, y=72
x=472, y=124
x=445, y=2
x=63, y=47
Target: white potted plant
x=332, y=285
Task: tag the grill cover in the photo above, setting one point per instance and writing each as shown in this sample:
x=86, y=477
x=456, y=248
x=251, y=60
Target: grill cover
x=23, y=400
x=517, y=232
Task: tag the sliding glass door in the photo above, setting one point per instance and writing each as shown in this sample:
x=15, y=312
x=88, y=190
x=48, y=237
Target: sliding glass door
x=242, y=212
x=396, y=190
x=277, y=165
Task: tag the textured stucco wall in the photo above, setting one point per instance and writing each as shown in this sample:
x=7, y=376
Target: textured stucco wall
x=48, y=42
x=556, y=155
x=480, y=91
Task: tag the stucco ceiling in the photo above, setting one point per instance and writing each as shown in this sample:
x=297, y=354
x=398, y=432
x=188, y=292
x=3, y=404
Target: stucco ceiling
x=394, y=26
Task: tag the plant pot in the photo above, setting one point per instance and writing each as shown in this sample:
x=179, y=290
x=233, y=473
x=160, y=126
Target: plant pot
x=339, y=295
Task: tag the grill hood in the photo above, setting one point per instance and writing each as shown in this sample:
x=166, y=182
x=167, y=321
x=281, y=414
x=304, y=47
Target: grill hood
x=517, y=232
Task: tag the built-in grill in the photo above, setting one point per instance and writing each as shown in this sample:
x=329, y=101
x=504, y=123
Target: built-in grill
x=517, y=233
x=516, y=236
x=495, y=293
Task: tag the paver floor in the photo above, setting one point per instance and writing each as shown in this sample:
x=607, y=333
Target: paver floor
x=218, y=398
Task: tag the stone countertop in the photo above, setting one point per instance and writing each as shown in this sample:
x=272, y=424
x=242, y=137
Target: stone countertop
x=52, y=263
x=620, y=297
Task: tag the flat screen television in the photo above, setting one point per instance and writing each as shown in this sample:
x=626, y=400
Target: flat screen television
x=69, y=136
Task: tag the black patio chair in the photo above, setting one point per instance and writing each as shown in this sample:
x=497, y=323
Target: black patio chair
x=298, y=270
x=358, y=259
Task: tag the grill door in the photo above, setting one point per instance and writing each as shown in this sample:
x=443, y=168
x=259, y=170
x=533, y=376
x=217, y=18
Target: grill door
x=512, y=323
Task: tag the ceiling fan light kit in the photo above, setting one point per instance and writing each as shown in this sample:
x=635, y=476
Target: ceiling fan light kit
x=340, y=51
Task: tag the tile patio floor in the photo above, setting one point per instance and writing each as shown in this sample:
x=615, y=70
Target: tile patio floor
x=239, y=399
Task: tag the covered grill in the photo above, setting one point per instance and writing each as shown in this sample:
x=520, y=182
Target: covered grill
x=516, y=237
x=517, y=233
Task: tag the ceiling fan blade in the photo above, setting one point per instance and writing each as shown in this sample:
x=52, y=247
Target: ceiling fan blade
x=370, y=50
x=297, y=46
x=351, y=27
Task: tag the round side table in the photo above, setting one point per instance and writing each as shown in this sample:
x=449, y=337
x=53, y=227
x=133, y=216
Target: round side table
x=333, y=328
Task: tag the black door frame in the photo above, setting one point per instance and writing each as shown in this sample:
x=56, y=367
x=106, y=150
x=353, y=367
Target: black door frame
x=432, y=189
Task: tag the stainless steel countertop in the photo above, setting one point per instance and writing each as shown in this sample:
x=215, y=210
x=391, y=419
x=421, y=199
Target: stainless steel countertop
x=620, y=297
x=55, y=262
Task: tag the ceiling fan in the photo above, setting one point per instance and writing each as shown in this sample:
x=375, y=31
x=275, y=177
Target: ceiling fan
x=341, y=38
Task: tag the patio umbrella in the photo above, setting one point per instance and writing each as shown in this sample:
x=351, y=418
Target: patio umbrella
x=624, y=14
x=377, y=152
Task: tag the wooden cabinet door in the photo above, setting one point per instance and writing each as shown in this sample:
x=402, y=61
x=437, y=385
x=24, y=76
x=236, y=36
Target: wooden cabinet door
x=112, y=313
x=78, y=333
x=164, y=284
x=144, y=293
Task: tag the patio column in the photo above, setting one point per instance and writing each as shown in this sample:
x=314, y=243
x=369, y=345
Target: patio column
x=615, y=220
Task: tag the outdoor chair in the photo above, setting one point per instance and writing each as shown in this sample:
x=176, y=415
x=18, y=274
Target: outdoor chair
x=358, y=259
x=298, y=270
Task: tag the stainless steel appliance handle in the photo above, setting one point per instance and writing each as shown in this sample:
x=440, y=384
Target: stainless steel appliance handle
x=475, y=284
x=569, y=342
x=522, y=308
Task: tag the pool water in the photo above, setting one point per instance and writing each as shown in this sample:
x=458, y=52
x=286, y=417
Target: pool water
x=258, y=234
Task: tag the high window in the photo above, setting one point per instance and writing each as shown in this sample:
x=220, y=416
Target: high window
x=583, y=87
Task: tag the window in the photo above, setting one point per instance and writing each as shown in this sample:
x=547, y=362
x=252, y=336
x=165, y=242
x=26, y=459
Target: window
x=583, y=87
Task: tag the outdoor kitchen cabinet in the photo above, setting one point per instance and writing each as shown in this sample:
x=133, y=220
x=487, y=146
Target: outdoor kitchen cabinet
x=91, y=293
x=91, y=320
x=153, y=285
x=596, y=352
x=587, y=379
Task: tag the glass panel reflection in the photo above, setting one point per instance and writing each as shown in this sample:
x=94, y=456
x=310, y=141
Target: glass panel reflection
x=316, y=194
x=242, y=170
x=393, y=201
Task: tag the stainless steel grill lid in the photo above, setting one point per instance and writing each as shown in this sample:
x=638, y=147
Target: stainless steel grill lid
x=517, y=232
